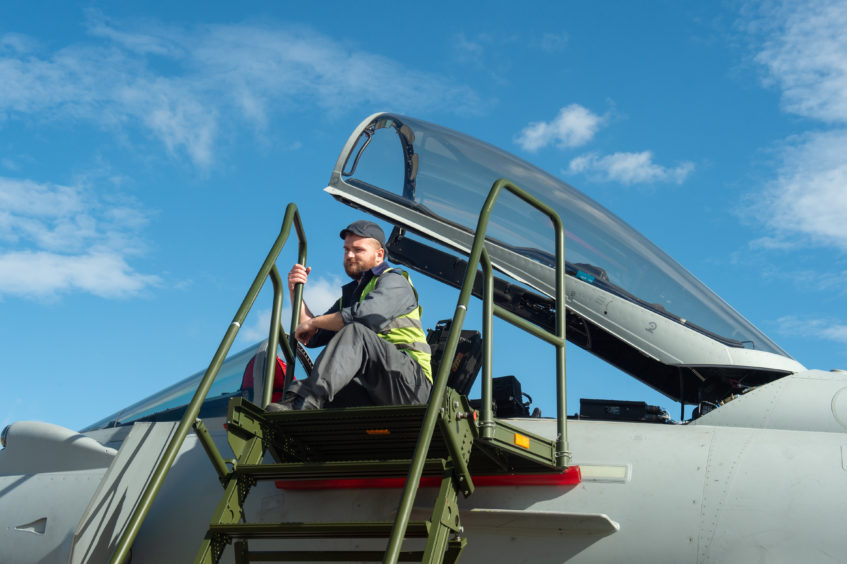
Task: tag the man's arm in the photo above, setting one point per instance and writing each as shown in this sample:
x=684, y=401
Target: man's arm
x=329, y=321
x=299, y=274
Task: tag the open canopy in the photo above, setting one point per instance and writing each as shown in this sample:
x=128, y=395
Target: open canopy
x=628, y=301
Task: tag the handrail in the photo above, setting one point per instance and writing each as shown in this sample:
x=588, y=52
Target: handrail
x=268, y=269
x=477, y=254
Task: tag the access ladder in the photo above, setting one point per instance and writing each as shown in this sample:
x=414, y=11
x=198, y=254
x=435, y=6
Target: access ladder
x=444, y=440
x=362, y=443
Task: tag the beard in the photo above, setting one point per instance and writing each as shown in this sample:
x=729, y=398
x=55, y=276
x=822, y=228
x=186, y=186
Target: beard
x=355, y=269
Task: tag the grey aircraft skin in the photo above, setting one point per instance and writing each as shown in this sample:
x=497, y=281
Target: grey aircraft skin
x=759, y=474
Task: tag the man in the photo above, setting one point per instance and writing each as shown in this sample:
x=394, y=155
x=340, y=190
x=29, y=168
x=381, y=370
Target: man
x=373, y=334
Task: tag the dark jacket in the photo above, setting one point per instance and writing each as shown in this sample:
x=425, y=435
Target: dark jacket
x=392, y=297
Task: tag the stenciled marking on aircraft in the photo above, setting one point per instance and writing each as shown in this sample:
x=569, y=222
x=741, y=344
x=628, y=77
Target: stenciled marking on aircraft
x=606, y=473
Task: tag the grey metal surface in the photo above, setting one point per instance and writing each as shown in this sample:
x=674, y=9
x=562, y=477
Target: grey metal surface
x=540, y=523
x=37, y=446
x=107, y=513
x=720, y=490
x=815, y=400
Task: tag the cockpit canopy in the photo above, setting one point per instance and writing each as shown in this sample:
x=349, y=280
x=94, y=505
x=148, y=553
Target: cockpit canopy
x=170, y=404
x=628, y=301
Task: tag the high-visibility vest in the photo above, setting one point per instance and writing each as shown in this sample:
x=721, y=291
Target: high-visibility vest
x=405, y=332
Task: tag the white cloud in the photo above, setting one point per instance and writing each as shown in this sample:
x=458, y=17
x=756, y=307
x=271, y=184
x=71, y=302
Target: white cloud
x=808, y=198
x=154, y=39
x=258, y=329
x=56, y=239
x=806, y=57
x=629, y=168
x=826, y=329
x=43, y=274
x=573, y=126
x=773, y=244
x=113, y=89
x=183, y=85
x=321, y=293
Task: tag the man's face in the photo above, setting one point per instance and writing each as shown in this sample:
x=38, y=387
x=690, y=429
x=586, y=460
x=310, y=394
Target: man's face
x=361, y=254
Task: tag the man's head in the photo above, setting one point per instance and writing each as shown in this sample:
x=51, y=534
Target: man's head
x=364, y=247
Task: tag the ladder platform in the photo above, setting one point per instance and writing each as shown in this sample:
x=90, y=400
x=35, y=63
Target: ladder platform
x=380, y=433
x=320, y=530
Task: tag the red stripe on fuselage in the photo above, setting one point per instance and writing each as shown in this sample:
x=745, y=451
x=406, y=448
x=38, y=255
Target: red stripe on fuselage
x=570, y=477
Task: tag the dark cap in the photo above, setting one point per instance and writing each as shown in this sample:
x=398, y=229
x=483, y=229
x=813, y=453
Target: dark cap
x=364, y=228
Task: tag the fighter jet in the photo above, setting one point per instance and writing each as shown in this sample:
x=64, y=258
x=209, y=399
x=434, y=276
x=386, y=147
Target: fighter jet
x=756, y=474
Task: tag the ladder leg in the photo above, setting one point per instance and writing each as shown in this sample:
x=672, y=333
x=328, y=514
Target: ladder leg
x=241, y=553
x=444, y=522
x=454, y=550
x=230, y=509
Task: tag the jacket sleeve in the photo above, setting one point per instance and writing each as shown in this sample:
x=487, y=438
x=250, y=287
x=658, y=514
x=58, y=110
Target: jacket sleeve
x=322, y=336
x=392, y=297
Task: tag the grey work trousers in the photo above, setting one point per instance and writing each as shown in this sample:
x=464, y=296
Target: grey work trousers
x=389, y=376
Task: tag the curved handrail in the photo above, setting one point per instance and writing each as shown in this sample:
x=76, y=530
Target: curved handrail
x=479, y=254
x=268, y=269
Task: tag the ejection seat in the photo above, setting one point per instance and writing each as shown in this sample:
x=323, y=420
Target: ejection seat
x=252, y=381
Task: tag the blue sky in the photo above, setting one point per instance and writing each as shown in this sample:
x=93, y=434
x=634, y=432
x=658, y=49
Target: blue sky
x=148, y=150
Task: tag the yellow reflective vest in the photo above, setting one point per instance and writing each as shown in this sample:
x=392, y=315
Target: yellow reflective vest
x=406, y=332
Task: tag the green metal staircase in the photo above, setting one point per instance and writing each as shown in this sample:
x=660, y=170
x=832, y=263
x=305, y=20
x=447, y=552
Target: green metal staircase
x=360, y=443
x=352, y=443
x=445, y=440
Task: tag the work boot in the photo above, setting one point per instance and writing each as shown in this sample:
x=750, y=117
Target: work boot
x=290, y=402
x=308, y=403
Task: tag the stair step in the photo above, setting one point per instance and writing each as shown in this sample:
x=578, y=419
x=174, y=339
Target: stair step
x=328, y=556
x=372, y=530
x=337, y=469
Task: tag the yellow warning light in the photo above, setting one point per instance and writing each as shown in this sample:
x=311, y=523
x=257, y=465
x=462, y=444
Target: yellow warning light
x=378, y=431
x=521, y=440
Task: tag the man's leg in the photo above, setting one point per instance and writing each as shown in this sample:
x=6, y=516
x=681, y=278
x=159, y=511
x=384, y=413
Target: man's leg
x=389, y=376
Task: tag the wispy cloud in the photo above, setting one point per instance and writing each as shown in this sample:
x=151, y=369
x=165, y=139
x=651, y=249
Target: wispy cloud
x=805, y=55
x=813, y=328
x=56, y=239
x=182, y=85
x=629, y=168
x=42, y=274
x=573, y=126
x=470, y=50
x=832, y=283
x=807, y=201
x=551, y=42
x=258, y=329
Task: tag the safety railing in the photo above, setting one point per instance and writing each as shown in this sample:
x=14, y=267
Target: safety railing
x=479, y=255
x=268, y=270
